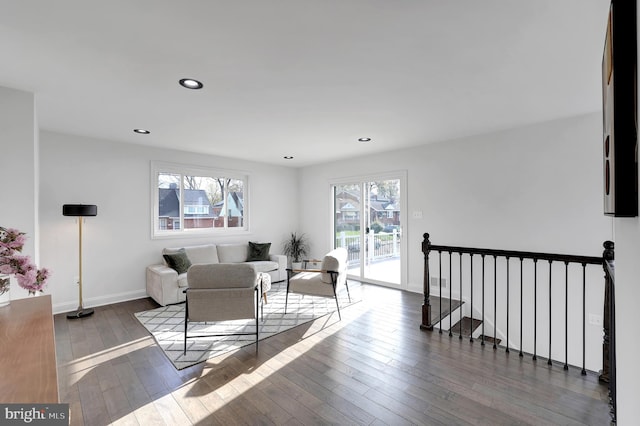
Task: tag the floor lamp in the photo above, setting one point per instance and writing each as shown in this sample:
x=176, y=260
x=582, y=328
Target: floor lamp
x=80, y=210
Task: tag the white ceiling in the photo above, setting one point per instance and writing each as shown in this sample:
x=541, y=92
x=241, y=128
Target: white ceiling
x=301, y=77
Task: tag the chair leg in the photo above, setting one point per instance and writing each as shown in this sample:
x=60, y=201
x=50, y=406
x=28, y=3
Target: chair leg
x=264, y=295
x=286, y=298
x=257, y=333
x=184, y=351
x=335, y=296
x=257, y=325
x=186, y=320
x=259, y=292
x=346, y=284
x=334, y=283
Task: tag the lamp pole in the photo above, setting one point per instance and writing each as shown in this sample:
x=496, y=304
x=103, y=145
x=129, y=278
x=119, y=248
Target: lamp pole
x=80, y=307
x=79, y=210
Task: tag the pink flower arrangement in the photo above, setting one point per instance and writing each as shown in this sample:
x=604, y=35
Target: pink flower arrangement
x=28, y=275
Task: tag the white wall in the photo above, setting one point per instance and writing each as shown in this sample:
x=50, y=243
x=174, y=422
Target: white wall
x=19, y=170
x=627, y=252
x=536, y=188
x=117, y=244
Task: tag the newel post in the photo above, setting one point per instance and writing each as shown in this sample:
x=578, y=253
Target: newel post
x=607, y=255
x=426, y=306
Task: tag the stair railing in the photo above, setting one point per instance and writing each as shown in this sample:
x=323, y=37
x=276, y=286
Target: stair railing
x=609, y=342
x=605, y=261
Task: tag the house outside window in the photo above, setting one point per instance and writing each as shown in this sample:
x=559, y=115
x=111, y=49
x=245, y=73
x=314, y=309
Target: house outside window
x=197, y=209
x=195, y=200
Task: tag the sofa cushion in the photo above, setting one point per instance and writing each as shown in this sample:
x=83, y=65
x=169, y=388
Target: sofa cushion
x=258, y=251
x=178, y=261
x=310, y=283
x=233, y=253
x=264, y=265
x=205, y=253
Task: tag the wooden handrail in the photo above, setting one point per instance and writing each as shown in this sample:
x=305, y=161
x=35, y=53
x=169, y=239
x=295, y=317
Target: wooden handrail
x=554, y=257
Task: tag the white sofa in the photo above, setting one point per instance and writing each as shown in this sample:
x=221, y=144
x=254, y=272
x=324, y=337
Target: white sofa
x=166, y=286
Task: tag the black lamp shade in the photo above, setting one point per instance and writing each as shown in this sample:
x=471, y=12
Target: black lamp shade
x=79, y=210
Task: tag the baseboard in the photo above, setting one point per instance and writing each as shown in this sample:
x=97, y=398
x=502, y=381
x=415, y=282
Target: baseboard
x=100, y=301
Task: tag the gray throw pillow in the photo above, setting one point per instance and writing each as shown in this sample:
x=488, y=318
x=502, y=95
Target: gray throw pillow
x=258, y=251
x=178, y=261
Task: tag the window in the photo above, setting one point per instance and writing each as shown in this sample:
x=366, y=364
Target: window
x=194, y=200
x=199, y=209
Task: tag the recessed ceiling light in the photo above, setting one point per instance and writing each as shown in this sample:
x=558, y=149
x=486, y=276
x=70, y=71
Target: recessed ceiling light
x=142, y=131
x=190, y=83
x=364, y=139
x=288, y=157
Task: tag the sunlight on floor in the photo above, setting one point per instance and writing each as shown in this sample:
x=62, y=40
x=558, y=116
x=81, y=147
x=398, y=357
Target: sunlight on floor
x=248, y=378
x=212, y=387
x=81, y=366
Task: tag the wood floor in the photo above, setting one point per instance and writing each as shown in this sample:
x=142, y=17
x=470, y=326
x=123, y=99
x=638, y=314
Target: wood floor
x=374, y=367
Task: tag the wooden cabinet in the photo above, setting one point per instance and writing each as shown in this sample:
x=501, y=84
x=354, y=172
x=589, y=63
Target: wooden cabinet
x=28, y=352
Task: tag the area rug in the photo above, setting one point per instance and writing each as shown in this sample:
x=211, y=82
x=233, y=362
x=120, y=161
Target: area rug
x=166, y=324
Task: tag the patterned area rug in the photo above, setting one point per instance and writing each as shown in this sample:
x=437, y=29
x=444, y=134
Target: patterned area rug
x=166, y=324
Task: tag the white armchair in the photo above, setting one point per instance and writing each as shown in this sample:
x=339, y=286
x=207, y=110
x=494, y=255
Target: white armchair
x=222, y=292
x=322, y=282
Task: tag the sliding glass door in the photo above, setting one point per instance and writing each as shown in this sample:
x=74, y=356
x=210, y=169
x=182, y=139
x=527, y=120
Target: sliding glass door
x=368, y=218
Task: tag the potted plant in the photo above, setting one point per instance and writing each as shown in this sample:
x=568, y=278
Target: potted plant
x=296, y=247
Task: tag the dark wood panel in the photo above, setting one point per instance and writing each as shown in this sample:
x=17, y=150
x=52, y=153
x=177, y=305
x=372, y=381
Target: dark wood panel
x=374, y=367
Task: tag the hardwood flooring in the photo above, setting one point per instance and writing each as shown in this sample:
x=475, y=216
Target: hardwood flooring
x=374, y=367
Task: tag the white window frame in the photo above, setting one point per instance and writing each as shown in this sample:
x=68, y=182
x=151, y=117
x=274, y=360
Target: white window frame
x=158, y=167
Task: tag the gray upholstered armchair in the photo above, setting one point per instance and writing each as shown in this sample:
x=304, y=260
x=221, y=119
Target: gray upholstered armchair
x=322, y=282
x=222, y=292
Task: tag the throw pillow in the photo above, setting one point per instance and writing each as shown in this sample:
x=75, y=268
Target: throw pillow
x=178, y=261
x=258, y=251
